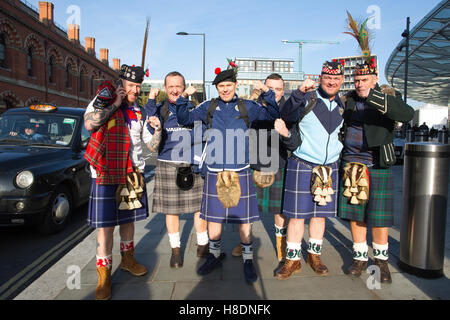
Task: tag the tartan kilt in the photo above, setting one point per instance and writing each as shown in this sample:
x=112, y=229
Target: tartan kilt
x=103, y=211
x=298, y=200
x=270, y=199
x=168, y=198
x=379, y=210
x=245, y=212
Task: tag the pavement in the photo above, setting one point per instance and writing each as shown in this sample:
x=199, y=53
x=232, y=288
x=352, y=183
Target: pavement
x=74, y=277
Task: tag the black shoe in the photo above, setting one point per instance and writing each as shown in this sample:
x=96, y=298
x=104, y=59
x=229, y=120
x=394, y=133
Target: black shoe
x=249, y=271
x=210, y=264
x=176, y=260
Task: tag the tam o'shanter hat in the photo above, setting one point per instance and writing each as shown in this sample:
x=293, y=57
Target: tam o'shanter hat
x=132, y=73
x=334, y=67
x=227, y=75
x=363, y=37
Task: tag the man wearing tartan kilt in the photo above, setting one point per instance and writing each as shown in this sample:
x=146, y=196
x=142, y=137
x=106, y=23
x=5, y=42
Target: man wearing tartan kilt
x=270, y=198
x=228, y=195
x=368, y=133
x=314, y=140
x=168, y=198
x=114, y=153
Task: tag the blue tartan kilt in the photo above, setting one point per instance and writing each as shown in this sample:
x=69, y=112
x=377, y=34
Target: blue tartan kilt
x=298, y=200
x=103, y=209
x=245, y=212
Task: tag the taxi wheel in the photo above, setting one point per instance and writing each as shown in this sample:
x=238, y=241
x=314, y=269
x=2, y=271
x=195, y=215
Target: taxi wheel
x=60, y=207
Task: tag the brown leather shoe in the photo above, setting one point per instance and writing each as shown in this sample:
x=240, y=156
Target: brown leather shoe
x=357, y=267
x=130, y=264
x=103, y=290
x=316, y=264
x=385, y=274
x=202, y=251
x=289, y=268
x=176, y=261
x=237, y=251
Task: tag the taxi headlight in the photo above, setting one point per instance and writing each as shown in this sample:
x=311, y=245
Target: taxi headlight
x=24, y=179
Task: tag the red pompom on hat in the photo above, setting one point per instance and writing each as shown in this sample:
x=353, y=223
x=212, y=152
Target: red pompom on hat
x=343, y=62
x=233, y=64
x=217, y=71
x=147, y=73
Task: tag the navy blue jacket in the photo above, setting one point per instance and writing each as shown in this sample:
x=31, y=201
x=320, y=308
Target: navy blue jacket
x=228, y=142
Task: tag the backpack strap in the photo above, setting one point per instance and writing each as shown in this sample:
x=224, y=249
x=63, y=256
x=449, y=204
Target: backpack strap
x=165, y=112
x=243, y=111
x=311, y=104
x=211, y=108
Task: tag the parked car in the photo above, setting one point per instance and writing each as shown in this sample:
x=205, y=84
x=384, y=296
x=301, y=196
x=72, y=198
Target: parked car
x=43, y=173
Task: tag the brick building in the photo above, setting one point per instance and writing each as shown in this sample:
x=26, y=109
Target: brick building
x=41, y=62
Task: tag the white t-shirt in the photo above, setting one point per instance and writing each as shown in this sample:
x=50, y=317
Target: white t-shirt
x=138, y=132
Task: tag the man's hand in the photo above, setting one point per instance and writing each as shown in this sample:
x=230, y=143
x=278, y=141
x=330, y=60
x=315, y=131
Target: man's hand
x=255, y=95
x=281, y=128
x=153, y=93
x=189, y=92
x=154, y=123
x=260, y=86
x=13, y=134
x=307, y=85
x=121, y=94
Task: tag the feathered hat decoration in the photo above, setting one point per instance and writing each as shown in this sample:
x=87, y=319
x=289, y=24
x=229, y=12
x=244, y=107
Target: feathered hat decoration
x=359, y=31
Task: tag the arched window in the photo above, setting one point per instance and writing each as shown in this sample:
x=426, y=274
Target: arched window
x=68, y=76
x=51, y=66
x=30, y=61
x=81, y=81
x=2, y=51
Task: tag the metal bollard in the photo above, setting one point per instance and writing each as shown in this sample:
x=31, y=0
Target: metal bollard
x=421, y=136
x=409, y=136
x=425, y=194
x=443, y=136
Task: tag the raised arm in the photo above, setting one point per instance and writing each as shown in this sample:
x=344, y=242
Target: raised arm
x=184, y=115
x=95, y=119
x=260, y=112
x=155, y=140
x=392, y=107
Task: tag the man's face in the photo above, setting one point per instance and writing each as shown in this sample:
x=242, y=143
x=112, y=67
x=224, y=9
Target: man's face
x=174, y=87
x=132, y=89
x=30, y=131
x=363, y=84
x=277, y=86
x=331, y=83
x=226, y=90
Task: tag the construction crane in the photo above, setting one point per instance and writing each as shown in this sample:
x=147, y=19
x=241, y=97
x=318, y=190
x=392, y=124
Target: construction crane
x=300, y=46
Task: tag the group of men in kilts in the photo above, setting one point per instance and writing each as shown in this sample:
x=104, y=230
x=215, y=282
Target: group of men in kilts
x=324, y=138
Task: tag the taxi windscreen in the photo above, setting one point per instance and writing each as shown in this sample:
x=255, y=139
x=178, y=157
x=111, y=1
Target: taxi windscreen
x=37, y=129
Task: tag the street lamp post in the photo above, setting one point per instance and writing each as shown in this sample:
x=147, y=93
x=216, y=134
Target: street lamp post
x=405, y=34
x=204, y=36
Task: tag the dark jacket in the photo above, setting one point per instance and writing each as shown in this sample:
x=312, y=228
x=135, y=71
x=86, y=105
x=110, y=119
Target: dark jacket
x=382, y=110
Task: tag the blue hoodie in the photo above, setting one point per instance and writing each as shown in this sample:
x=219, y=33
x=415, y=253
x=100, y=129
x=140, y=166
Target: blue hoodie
x=170, y=140
x=226, y=124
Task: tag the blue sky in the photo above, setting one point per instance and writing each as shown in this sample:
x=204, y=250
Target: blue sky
x=246, y=28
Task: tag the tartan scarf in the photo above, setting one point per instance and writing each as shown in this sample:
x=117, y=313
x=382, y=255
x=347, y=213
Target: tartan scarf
x=108, y=151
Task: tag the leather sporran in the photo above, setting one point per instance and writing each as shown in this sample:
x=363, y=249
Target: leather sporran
x=356, y=182
x=185, y=178
x=322, y=185
x=263, y=179
x=228, y=188
x=129, y=194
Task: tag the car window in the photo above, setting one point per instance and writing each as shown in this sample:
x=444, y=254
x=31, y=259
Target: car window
x=37, y=129
x=85, y=134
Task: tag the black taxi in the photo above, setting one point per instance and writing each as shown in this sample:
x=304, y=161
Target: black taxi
x=43, y=173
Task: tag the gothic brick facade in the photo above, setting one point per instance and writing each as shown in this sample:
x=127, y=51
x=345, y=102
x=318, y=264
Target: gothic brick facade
x=41, y=63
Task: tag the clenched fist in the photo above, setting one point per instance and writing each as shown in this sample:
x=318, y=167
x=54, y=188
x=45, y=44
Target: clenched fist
x=153, y=93
x=260, y=86
x=154, y=123
x=189, y=92
x=307, y=85
x=281, y=128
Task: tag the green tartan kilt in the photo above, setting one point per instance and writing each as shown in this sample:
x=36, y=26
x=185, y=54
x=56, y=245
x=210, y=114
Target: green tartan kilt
x=270, y=199
x=378, y=211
